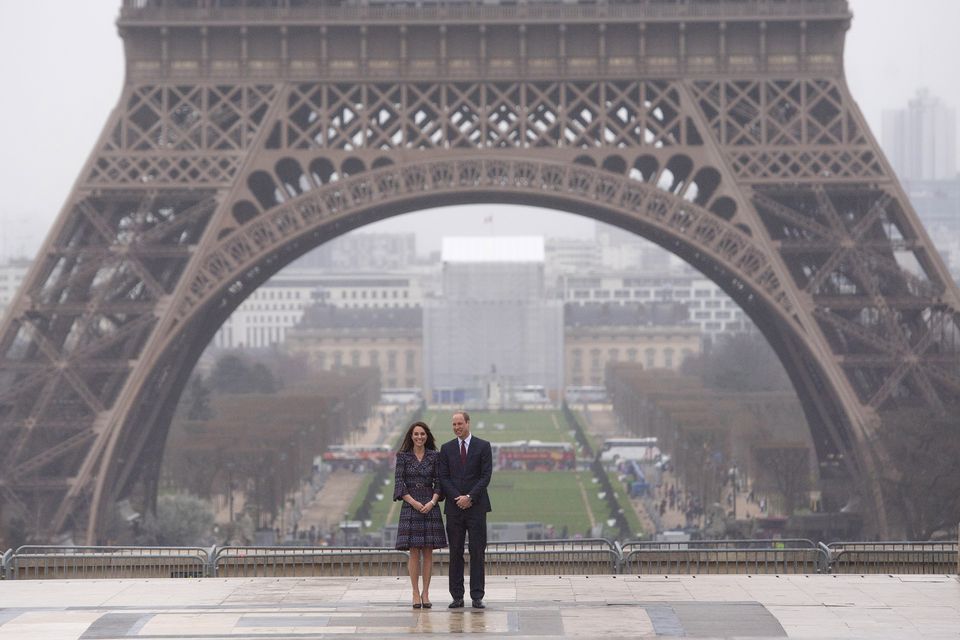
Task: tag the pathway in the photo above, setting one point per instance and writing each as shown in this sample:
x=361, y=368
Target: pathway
x=534, y=607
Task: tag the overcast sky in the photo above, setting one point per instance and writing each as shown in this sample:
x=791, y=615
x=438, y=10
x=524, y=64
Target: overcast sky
x=62, y=72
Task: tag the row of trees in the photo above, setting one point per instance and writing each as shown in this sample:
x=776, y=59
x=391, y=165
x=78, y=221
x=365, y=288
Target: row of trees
x=736, y=402
x=732, y=406
x=923, y=479
x=245, y=436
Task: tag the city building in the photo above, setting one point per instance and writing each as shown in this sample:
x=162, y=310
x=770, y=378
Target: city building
x=656, y=335
x=937, y=202
x=920, y=141
x=372, y=290
x=495, y=329
x=708, y=307
x=264, y=318
x=12, y=274
x=387, y=338
x=621, y=250
x=569, y=256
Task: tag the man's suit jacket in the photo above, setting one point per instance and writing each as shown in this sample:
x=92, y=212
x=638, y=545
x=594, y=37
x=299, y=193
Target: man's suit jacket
x=471, y=479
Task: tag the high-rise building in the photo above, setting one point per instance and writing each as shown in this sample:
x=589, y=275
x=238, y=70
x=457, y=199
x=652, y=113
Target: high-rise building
x=495, y=334
x=12, y=274
x=921, y=140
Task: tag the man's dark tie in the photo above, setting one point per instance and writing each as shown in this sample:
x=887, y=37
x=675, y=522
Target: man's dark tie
x=463, y=452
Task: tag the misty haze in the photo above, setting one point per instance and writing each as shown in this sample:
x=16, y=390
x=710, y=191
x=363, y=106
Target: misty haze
x=687, y=267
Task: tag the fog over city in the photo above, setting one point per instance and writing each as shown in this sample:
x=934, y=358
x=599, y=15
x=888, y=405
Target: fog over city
x=196, y=354
x=64, y=72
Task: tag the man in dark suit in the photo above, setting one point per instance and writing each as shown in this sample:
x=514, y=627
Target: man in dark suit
x=466, y=464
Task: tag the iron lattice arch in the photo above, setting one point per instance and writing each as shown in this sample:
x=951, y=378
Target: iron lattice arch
x=222, y=165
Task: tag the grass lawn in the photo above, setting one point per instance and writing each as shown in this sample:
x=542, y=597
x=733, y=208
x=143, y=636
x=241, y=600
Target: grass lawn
x=505, y=426
x=381, y=508
x=357, y=501
x=553, y=498
x=525, y=496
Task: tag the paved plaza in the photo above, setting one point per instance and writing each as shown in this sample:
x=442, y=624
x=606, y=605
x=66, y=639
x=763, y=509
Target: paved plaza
x=873, y=606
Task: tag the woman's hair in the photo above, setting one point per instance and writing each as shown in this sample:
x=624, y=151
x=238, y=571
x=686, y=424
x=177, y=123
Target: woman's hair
x=407, y=444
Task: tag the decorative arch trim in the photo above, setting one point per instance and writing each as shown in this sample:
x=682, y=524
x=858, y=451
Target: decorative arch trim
x=615, y=198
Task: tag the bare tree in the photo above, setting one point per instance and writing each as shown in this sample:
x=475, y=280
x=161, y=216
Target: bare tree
x=784, y=468
x=742, y=362
x=924, y=477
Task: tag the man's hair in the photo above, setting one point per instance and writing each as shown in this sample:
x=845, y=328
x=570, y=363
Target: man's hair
x=466, y=416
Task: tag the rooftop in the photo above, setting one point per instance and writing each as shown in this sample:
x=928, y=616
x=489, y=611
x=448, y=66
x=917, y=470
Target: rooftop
x=507, y=249
x=630, y=314
x=323, y=316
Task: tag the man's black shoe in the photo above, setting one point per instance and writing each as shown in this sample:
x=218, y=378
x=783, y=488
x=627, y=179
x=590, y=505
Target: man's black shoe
x=478, y=604
x=456, y=604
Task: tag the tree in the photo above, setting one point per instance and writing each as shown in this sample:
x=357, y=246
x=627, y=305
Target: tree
x=784, y=468
x=742, y=362
x=923, y=477
x=235, y=374
x=195, y=403
x=261, y=379
x=181, y=520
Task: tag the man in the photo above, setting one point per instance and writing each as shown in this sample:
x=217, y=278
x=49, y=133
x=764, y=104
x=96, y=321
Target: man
x=466, y=464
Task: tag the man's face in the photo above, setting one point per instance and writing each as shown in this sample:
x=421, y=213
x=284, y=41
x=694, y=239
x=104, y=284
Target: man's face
x=460, y=426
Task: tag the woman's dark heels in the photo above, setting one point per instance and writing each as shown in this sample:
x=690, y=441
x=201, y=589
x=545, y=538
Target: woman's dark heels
x=417, y=605
x=426, y=603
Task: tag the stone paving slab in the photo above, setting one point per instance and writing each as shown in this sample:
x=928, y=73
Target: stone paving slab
x=526, y=607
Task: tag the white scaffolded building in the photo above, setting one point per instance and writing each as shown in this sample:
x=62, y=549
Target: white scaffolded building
x=494, y=337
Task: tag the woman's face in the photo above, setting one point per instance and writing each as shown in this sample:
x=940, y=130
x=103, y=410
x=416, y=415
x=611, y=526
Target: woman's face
x=419, y=436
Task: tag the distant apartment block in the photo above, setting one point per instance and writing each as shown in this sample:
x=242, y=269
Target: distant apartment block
x=382, y=290
x=264, y=318
x=921, y=140
x=570, y=255
x=12, y=274
x=712, y=311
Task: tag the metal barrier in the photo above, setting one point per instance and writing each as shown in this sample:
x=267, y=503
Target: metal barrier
x=548, y=557
x=743, y=543
x=54, y=562
x=588, y=556
x=289, y=562
x=794, y=556
x=892, y=557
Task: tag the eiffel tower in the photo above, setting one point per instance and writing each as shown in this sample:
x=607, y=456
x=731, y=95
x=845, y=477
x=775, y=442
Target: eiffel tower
x=251, y=131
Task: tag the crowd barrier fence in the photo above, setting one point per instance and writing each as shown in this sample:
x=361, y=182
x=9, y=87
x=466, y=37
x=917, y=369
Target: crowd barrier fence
x=596, y=556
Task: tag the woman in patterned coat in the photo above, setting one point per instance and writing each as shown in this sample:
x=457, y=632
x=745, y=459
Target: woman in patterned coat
x=421, y=527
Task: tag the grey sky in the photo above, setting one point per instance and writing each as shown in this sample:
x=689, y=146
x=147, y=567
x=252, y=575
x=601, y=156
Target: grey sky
x=63, y=69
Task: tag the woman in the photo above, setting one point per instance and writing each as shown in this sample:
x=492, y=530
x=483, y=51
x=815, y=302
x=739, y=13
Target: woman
x=421, y=527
